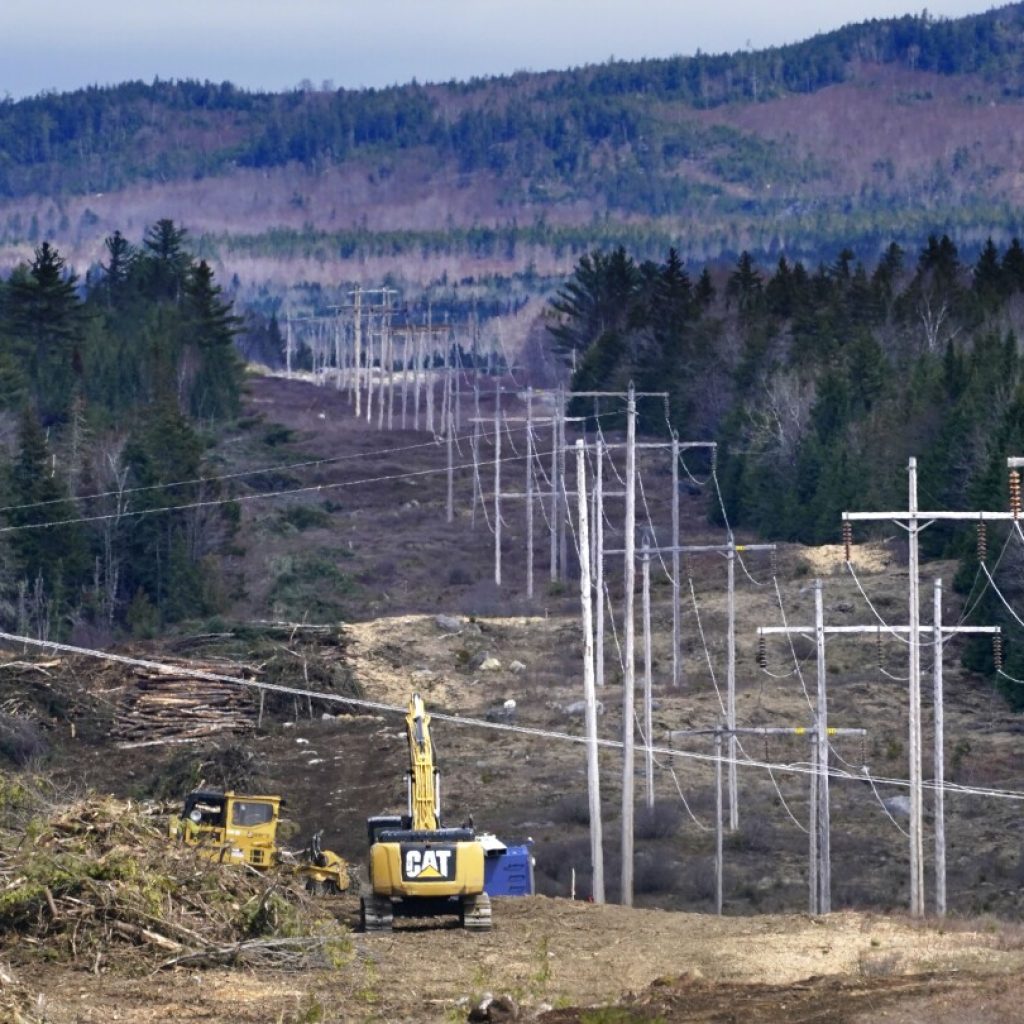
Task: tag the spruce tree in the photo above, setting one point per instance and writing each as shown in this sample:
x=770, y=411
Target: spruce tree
x=45, y=320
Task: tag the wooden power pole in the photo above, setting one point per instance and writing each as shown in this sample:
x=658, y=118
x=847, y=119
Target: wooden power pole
x=913, y=521
x=589, y=696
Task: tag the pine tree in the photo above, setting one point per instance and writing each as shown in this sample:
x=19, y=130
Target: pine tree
x=121, y=260
x=988, y=276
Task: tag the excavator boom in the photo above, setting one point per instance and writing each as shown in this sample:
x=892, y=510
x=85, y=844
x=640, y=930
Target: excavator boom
x=422, y=774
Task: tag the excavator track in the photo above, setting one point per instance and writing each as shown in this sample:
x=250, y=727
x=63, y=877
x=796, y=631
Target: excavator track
x=376, y=914
x=476, y=913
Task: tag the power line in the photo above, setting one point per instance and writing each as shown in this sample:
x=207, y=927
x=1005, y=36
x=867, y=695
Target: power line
x=435, y=442
x=218, y=478
x=286, y=492
x=549, y=734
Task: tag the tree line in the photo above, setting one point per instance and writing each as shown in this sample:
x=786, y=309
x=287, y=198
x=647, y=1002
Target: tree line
x=106, y=389
x=819, y=382
x=554, y=128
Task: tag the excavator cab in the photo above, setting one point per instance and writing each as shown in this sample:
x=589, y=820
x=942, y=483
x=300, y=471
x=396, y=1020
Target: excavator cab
x=385, y=823
x=230, y=828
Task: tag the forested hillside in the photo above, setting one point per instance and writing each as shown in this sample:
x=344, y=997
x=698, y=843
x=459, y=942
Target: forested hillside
x=879, y=131
x=820, y=382
x=105, y=393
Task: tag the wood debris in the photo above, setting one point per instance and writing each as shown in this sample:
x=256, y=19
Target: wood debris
x=100, y=880
x=159, y=706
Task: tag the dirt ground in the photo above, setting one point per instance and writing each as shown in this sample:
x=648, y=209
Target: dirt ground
x=378, y=556
x=552, y=954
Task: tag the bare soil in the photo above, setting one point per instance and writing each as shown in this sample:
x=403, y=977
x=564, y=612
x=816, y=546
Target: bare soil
x=385, y=562
x=551, y=953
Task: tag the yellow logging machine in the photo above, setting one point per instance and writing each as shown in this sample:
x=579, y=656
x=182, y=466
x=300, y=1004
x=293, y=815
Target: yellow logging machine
x=230, y=828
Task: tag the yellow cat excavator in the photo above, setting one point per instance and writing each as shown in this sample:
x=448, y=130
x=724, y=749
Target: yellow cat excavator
x=418, y=868
x=230, y=828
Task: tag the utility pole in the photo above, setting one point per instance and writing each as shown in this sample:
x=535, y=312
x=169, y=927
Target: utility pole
x=590, y=700
x=821, y=762
x=628, y=682
x=561, y=503
x=717, y=732
x=729, y=550
x=730, y=682
x=458, y=385
x=819, y=631
x=405, y=376
x=914, y=709
x=450, y=505
x=648, y=698
x=288, y=345
x=820, y=830
x=497, y=486
x=813, y=856
x=339, y=355
x=369, y=366
x=529, y=494
x=719, y=857
x=939, y=777
x=599, y=558
x=553, y=525
x=420, y=346
x=391, y=369
x=601, y=447
x=677, y=646
x=478, y=489
x=913, y=520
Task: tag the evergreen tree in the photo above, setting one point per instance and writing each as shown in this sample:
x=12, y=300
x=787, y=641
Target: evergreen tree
x=744, y=285
x=165, y=262
x=597, y=298
x=117, y=271
x=45, y=321
x=210, y=327
x=36, y=495
x=988, y=276
x=1013, y=267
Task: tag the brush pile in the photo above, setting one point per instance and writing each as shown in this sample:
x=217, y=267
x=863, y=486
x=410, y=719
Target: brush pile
x=97, y=881
x=159, y=700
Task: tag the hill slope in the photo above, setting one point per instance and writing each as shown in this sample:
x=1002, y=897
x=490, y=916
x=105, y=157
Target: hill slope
x=879, y=131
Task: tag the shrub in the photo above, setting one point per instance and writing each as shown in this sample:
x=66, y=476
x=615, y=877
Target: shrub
x=301, y=517
x=309, y=586
x=20, y=740
x=573, y=809
x=654, y=874
x=661, y=821
x=278, y=434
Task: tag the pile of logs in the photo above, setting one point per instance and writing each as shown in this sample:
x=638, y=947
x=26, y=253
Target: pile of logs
x=163, y=703
x=161, y=708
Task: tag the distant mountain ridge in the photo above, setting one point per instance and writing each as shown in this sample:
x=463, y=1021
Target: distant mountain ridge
x=878, y=131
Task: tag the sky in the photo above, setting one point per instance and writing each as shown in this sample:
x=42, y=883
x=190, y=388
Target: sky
x=279, y=44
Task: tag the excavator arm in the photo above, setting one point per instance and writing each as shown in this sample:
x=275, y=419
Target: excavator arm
x=423, y=795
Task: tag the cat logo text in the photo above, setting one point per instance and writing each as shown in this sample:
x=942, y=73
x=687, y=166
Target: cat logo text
x=428, y=863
